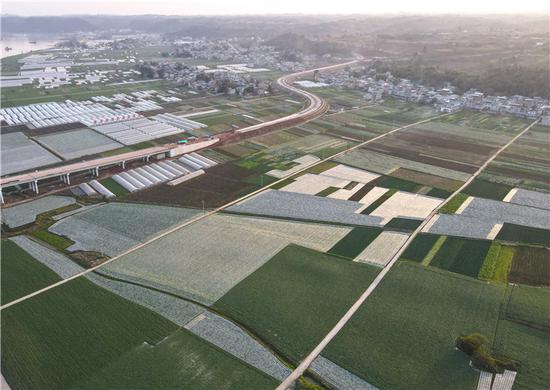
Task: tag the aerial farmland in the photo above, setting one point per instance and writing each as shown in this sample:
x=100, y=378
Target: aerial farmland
x=161, y=236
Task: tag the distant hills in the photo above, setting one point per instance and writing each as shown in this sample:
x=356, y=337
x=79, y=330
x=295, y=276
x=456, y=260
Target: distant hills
x=45, y=25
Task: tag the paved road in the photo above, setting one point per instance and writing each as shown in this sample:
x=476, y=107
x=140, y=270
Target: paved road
x=299, y=371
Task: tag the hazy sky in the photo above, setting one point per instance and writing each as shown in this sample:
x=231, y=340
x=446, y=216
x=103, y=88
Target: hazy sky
x=228, y=7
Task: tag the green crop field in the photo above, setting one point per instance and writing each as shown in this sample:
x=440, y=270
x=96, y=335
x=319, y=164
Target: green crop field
x=497, y=263
x=355, y=241
x=531, y=266
x=453, y=205
x=405, y=224
x=487, y=189
x=524, y=234
x=294, y=299
x=114, y=187
x=461, y=255
x=76, y=334
x=22, y=274
x=403, y=336
x=529, y=304
x=419, y=248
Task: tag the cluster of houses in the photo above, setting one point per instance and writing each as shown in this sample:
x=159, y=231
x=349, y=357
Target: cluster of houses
x=445, y=99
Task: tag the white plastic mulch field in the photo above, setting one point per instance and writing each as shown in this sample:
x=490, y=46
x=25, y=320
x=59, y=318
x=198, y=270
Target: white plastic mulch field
x=373, y=195
x=26, y=212
x=344, y=172
x=338, y=376
x=115, y=227
x=206, y=259
x=301, y=162
x=345, y=194
x=19, y=153
x=76, y=143
x=232, y=339
x=383, y=248
x=313, y=184
x=407, y=205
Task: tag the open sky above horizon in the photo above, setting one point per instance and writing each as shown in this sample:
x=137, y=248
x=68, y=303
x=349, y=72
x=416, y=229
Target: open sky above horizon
x=235, y=7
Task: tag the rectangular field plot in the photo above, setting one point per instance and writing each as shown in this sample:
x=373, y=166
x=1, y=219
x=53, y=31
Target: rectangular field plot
x=420, y=247
x=296, y=297
x=305, y=207
x=26, y=213
x=497, y=263
x=19, y=153
x=434, y=307
x=528, y=198
x=204, y=260
x=461, y=255
x=531, y=266
x=354, y=242
x=407, y=205
x=51, y=341
x=382, y=249
x=77, y=143
x=386, y=164
x=115, y=227
x=21, y=273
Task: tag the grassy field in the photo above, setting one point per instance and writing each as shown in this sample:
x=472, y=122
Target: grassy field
x=52, y=239
x=404, y=335
x=78, y=334
x=21, y=273
x=294, y=299
x=114, y=187
x=461, y=255
x=355, y=241
x=404, y=224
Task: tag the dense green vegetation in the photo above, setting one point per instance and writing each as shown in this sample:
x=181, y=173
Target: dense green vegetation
x=74, y=335
x=419, y=248
x=294, y=299
x=397, y=183
x=461, y=255
x=406, y=224
x=22, y=274
x=327, y=191
x=52, y=239
x=524, y=234
x=487, y=189
x=497, y=263
x=477, y=347
x=355, y=241
x=404, y=335
x=451, y=206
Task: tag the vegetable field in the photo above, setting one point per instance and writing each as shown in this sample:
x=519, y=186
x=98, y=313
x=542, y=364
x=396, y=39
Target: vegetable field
x=531, y=266
x=461, y=255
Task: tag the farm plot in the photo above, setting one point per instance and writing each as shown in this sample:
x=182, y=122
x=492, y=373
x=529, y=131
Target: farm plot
x=528, y=198
x=420, y=247
x=355, y=241
x=461, y=255
x=205, y=260
x=406, y=205
x=337, y=376
x=55, y=261
x=232, y=339
x=313, y=184
x=219, y=185
x=435, y=307
x=305, y=207
x=351, y=174
x=21, y=273
x=382, y=249
x=427, y=179
x=50, y=341
x=26, y=213
x=528, y=235
x=486, y=189
x=114, y=227
x=77, y=143
x=287, y=301
x=497, y=263
x=19, y=153
x=525, y=323
x=386, y=164
x=531, y=266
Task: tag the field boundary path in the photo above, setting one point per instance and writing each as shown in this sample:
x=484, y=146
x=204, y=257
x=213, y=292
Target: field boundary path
x=212, y=212
x=299, y=371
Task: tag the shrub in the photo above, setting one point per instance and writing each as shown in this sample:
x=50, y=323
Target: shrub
x=476, y=346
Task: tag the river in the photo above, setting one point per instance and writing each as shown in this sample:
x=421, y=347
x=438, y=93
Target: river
x=22, y=44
